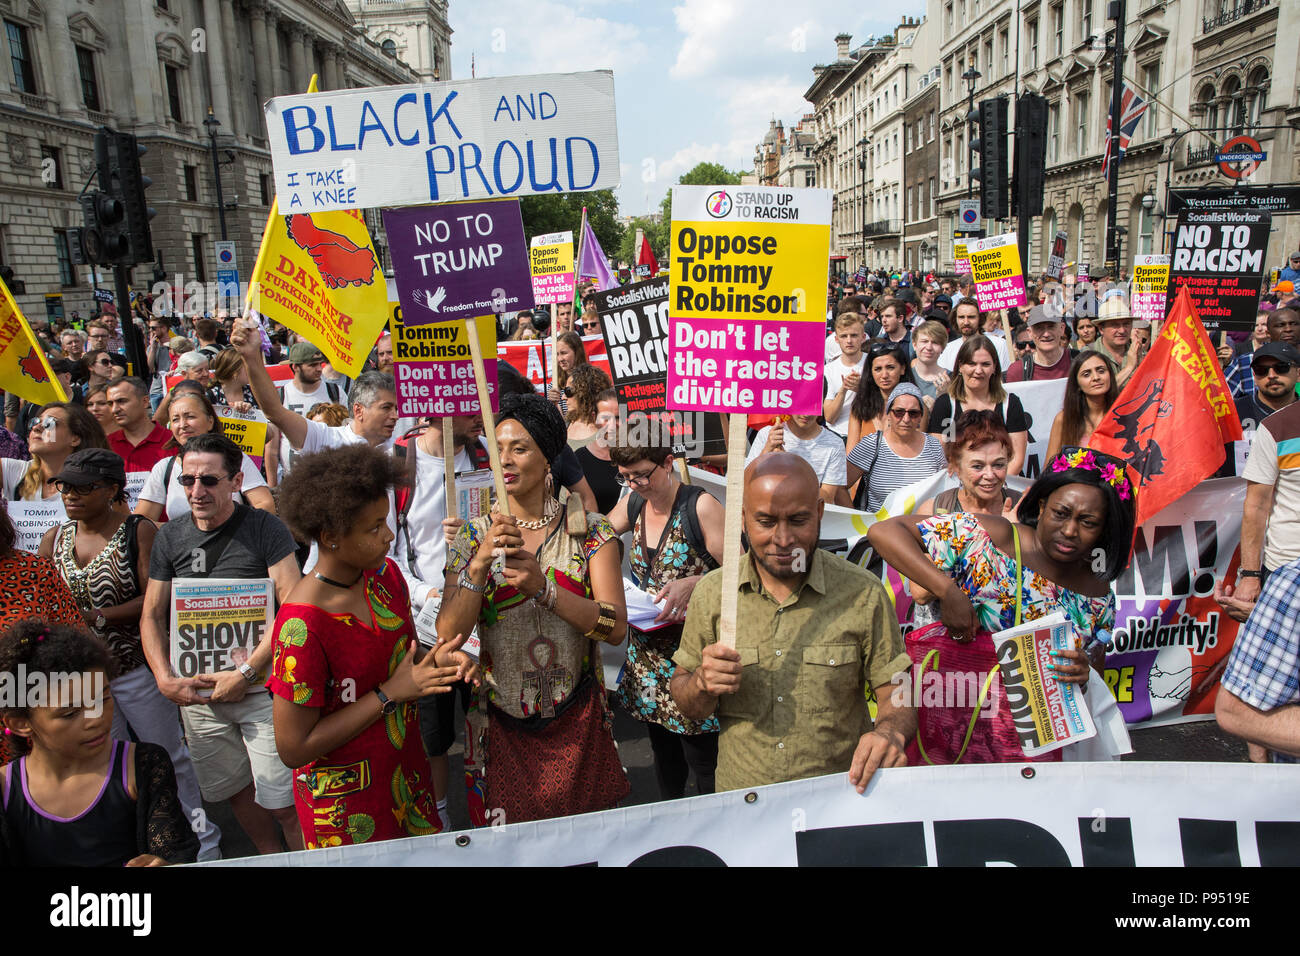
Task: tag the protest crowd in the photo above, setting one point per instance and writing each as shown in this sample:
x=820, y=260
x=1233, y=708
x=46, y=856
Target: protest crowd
x=398, y=627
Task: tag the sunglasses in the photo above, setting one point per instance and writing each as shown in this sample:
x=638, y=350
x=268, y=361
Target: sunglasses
x=568, y=392
x=1282, y=368
x=44, y=424
x=68, y=488
x=1024, y=346
x=209, y=481
x=902, y=413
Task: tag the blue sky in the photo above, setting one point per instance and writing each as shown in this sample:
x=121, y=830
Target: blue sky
x=695, y=80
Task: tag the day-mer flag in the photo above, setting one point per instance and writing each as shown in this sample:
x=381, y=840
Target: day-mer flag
x=24, y=370
x=318, y=274
x=1131, y=106
x=1175, y=415
x=592, y=263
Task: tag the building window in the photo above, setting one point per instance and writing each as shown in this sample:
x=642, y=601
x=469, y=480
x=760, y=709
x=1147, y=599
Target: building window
x=1032, y=29
x=200, y=261
x=948, y=19
x=51, y=167
x=930, y=137
x=1151, y=79
x=192, y=183
x=67, y=275
x=1081, y=138
x=1085, y=21
x=174, y=93
x=911, y=203
x=20, y=55
x=1256, y=95
x=1146, y=231
x=389, y=47
x=907, y=139
x=933, y=190
x=988, y=56
x=89, y=85
x=1005, y=39
x=264, y=184
x=1054, y=133
x=1058, y=29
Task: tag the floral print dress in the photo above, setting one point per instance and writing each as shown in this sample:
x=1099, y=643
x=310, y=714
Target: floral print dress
x=375, y=786
x=958, y=545
x=643, y=690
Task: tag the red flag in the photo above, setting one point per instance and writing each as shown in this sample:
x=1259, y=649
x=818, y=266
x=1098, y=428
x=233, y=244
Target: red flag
x=1174, y=416
x=645, y=256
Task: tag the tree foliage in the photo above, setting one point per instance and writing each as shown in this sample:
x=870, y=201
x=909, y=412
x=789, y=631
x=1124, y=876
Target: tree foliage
x=562, y=212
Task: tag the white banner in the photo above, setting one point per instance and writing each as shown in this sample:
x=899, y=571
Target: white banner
x=444, y=142
x=33, y=518
x=1068, y=814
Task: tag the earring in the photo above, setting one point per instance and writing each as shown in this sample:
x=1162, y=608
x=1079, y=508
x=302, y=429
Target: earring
x=550, y=485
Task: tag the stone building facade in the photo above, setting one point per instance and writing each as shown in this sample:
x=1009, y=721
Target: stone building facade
x=156, y=68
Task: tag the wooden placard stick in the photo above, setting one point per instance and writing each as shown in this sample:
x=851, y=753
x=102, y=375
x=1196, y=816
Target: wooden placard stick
x=683, y=469
x=489, y=422
x=555, y=341
x=449, y=463
x=731, y=529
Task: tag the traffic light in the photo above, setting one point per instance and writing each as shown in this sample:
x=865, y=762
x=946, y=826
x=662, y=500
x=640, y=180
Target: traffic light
x=1031, y=155
x=992, y=149
x=117, y=215
x=16, y=286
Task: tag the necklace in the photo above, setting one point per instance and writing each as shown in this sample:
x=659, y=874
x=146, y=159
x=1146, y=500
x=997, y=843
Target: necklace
x=549, y=511
x=338, y=584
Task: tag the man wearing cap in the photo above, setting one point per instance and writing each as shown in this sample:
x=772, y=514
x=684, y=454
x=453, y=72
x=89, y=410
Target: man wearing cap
x=305, y=390
x=1050, y=358
x=1291, y=271
x=1276, y=368
x=943, y=303
x=1115, y=338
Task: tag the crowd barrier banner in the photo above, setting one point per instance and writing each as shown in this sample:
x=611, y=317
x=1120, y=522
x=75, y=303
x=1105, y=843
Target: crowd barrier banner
x=532, y=357
x=1064, y=814
x=1171, y=640
x=394, y=146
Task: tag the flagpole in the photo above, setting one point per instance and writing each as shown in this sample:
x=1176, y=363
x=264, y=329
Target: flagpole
x=1116, y=134
x=577, y=267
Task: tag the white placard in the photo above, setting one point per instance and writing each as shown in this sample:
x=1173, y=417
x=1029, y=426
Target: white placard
x=444, y=142
x=33, y=518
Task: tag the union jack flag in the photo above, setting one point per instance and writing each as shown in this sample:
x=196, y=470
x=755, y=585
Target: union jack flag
x=1132, y=106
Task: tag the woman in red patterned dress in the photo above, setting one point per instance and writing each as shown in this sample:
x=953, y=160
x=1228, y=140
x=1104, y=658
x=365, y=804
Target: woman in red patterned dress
x=346, y=671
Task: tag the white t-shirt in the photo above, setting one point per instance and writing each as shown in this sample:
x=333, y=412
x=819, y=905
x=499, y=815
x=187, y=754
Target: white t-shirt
x=14, y=469
x=1281, y=542
x=320, y=437
x=836, y=371
x=173, y=499
x=825, y=453
x=948, y=357
x=300, y=402
x=424, y=520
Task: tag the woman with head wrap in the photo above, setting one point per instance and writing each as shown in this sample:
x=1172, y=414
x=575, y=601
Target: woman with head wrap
x=544, y=587
x=899, y=455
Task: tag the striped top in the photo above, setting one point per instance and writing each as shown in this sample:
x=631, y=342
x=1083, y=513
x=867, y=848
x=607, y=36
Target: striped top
x=1275, y=460
x=885, y=471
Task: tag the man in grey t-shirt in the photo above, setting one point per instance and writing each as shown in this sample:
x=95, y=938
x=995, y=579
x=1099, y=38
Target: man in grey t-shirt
x=227, y=715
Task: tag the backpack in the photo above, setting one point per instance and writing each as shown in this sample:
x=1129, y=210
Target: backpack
x=689, y=498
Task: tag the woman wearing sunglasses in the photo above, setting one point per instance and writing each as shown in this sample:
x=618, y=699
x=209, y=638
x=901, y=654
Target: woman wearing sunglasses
x=897, y=456
x=888, y=366
x=190, y=413
x=569, y=355
x=100, y=368
x=59, y=429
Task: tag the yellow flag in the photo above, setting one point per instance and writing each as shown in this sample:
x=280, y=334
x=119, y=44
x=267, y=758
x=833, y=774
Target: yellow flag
x=317, y=274
x=23, y=368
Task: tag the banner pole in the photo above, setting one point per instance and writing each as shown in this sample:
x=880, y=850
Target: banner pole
x=684, y=470
x=489, y=421
x=731, y=529
x=449, y=463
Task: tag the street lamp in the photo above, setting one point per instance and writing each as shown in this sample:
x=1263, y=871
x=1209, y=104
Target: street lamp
x=1120, y=233
x=970, y=76
x=863, y=145
x=212, y=124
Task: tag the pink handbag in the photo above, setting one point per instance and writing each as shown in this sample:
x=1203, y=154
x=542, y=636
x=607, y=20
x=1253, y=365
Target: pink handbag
x=955, y=731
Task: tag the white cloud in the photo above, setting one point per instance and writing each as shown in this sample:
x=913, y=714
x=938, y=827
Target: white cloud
x=541, y=37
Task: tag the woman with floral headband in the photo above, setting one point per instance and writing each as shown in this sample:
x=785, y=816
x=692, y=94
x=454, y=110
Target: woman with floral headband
x=1072, y=538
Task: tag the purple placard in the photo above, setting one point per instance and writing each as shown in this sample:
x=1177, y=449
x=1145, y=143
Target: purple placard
x=459, y=260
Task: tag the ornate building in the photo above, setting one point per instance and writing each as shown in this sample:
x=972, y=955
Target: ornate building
x=161, y=69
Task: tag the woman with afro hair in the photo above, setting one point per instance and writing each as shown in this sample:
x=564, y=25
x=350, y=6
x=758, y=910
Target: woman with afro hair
x=346, y=670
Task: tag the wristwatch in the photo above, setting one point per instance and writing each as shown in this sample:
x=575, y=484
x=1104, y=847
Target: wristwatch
x=250, y=675
x=469, y=585
x=387, y=704
x=1248, y=574
x=101, y=622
